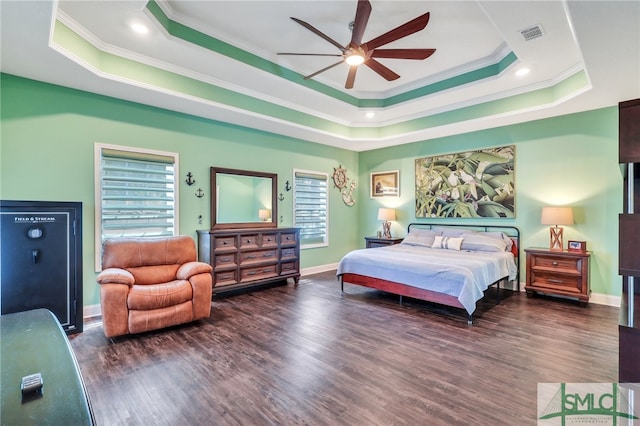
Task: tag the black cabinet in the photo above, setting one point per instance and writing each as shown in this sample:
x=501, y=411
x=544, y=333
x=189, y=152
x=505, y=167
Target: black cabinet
x=41, y=259
x=629, y=242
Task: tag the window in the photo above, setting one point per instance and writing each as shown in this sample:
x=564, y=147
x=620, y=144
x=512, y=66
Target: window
x=136, y=194
x=311, y=206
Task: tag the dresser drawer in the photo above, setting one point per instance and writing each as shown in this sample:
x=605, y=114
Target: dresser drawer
x=226, y=260
x=225, y=243
x=287, y=239
x=269, y=240
x=258, y=272
x=258, y=256
x=248, y=241
x=556, y=262
x=288, y=268
x=225, y=277
x=288, y=253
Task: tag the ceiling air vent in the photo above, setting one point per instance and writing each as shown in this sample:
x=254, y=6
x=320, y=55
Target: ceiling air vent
x=532, y=32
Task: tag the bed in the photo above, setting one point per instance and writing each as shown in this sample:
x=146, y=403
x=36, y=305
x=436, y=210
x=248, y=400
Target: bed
x=451, y=265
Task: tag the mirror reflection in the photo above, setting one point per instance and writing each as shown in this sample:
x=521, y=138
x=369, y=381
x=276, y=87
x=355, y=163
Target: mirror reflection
x=243, y=199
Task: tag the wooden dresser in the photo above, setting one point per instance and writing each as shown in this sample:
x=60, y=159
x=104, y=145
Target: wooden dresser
x=558, y=272
x=251, y=256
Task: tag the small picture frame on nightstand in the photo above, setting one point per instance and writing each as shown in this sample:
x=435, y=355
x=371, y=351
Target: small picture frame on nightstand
x=577, y=246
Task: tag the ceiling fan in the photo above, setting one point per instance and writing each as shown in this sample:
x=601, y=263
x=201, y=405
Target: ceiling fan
x=356, y=52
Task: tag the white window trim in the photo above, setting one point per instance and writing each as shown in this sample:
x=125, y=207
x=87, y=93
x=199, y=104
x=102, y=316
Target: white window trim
x=97, y=161
x=293, y=207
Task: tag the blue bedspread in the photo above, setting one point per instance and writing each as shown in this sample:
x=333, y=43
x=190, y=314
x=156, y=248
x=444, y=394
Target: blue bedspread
x=462, y=274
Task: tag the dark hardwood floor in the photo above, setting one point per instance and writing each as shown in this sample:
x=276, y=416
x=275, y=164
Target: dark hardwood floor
x=314, y=356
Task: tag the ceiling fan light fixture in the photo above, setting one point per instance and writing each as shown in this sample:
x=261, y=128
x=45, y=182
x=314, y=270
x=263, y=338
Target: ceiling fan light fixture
x=354, y=59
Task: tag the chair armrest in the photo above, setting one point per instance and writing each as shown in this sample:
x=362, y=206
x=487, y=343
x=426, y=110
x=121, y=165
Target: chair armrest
x=189, y=269
x=115, y=276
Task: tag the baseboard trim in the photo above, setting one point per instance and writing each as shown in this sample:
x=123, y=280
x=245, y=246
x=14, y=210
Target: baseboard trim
x=319, y=269
x=91, y=311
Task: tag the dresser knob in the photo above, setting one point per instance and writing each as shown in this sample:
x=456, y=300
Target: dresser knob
x=555, y=263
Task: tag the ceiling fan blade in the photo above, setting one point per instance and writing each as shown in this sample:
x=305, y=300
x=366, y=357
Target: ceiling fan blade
x=403, y=30
x=384, y=72
x=363, y=11
x=351, y=77
x=319, y=33
x=323, y=70
x=403, y=53
x=310, y=54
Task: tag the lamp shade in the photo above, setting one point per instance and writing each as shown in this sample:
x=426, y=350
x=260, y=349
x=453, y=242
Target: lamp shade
x=386, y=214
x=557, y=216
x=264, y=214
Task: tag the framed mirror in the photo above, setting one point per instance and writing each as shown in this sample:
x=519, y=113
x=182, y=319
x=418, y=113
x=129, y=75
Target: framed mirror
x=243, y=199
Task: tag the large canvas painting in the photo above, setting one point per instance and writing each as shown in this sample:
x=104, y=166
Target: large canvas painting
x=471, y=184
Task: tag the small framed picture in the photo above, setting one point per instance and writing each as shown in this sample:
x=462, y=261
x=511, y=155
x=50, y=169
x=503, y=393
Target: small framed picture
x=577, y=246
x=385, y=184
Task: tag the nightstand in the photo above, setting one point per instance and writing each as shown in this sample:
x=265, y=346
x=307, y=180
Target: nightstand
x=372, y=242
x=558, y=272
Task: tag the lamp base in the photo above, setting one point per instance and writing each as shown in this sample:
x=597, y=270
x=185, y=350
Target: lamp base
x=555, y=242
x=386, y=229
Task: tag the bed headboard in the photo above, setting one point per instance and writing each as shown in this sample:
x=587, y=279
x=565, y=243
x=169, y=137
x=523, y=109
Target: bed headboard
x=510, y=231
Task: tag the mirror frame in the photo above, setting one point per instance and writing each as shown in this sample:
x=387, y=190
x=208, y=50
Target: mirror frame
x=214, y=207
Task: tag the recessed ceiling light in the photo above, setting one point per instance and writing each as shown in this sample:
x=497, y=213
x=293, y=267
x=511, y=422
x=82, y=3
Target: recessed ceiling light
x=522, y=72
x=370, y=114
x=140, y=28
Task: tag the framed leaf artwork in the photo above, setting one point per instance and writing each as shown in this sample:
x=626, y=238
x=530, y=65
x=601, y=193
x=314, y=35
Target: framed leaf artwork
x=472, y=184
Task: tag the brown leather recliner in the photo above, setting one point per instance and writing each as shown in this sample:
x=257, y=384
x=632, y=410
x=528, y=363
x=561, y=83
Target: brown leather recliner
x=151, y=283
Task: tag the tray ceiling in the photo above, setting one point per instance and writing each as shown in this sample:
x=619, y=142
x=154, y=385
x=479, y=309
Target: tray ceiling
x=218, y=59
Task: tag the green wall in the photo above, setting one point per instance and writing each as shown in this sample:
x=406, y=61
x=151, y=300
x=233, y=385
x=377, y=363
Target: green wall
x=47, y=141
x=48, y=133
x=569, y=160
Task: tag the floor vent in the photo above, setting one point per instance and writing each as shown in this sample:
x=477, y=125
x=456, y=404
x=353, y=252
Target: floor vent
x=532, y=32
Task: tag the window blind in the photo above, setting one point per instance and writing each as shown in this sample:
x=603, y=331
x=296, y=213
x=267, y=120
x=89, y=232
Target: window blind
x=311, y=207
x=137, y=195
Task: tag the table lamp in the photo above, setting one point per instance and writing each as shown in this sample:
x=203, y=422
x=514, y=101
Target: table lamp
x=386, y=216
x=556, y=216
x=264, y=214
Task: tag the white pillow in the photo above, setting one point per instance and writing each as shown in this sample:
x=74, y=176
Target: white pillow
x=497, y=234
x=452, y=232
x=447, y=243
x=478, y=241
x=420, y=237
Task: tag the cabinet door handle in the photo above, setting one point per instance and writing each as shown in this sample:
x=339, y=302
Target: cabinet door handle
x=266, y=255
x=251, y=256
x=555, y=281
x=251, y=273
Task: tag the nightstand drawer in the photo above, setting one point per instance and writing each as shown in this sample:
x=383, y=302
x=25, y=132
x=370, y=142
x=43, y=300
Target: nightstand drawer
x=551, y=281
x=556, y=262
